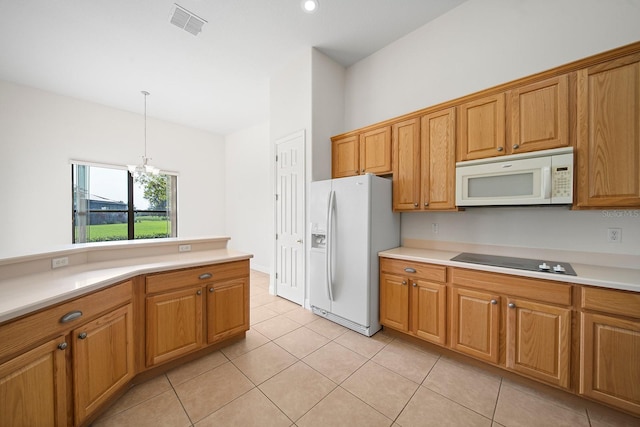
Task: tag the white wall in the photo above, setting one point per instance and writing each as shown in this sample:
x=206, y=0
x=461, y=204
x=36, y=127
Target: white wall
x=480, y=44
x=327, y=94
x=249, y=194
x=40, y=132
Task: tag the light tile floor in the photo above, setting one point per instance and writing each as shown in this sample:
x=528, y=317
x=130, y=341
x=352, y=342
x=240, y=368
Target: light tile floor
x=297, y=369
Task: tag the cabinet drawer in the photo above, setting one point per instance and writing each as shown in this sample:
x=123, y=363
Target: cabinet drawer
x=610, y=301
x=434, y=273
x=161, y=282
x=518, y=286
x=20, y=334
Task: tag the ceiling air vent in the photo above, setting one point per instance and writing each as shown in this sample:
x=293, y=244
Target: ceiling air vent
x=188, y=21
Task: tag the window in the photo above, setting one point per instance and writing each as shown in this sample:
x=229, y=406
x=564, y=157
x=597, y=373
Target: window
x=109, y=203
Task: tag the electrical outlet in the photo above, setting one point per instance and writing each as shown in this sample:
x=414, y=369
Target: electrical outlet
x=184, y=248
x=59, y=262
x=614, y=235
x=435, y=228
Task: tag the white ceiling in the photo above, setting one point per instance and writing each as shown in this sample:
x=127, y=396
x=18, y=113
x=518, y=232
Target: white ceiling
x=107, y=51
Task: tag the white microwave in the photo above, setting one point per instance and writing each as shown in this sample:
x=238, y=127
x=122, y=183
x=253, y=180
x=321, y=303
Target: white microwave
x=536, y=178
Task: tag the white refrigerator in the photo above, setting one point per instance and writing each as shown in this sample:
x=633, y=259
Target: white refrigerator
x=351, y=221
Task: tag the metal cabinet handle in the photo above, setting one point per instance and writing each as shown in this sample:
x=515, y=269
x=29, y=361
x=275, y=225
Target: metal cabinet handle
x=494, y=302
x=72, y=315
x=500, y=148
x=410, y=270
x=516, y=146
x=511, y=305
x=211, y=289
x=82, y=335
x=199, y=293
x=205, y=276
x=63, y=345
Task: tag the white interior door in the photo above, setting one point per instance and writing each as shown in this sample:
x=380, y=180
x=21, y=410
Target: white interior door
x=290, y=217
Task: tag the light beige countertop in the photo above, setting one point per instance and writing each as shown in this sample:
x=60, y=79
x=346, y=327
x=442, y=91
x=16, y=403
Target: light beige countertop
x=614, y=277
x=29, y=283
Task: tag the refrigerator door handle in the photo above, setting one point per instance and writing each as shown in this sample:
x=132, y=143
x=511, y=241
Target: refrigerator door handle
x=329, y=255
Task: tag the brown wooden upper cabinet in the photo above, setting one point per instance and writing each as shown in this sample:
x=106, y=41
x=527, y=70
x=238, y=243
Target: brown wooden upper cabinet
x=424, y=162
x=367, y=152
x=482, y=128
x=608, y=140
x=539, y=115
x=527, y=118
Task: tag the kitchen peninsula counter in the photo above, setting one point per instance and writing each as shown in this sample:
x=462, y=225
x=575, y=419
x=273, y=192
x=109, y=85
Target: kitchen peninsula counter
x=621, y=276
x=29, y=283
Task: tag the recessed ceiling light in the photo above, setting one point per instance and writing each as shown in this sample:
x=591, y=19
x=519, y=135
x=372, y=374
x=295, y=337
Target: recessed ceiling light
x=309, y=6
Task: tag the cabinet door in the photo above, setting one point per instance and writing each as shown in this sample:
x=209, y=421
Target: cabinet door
x=608, y=143
x=394, y=302
x=227, y=309
x=540, y=115
x=609, y=368
x=428, y=302
x=482, y=128
x=174, y=324
x=475, y=323
x=345, y=157
x=33, y=388
x=539, y=341
x=438, y=136
x=103, y=359
x=375, y=151
x=406, y=165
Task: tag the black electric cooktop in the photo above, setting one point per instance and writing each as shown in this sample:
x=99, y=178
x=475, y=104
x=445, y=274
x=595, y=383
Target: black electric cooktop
x=546, y=266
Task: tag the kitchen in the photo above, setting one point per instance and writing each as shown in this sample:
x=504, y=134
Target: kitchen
x=550, y=41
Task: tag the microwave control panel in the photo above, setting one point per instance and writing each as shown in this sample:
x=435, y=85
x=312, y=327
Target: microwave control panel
x=562, y=182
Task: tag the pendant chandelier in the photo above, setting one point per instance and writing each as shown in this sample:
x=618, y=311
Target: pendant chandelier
x=145, y=167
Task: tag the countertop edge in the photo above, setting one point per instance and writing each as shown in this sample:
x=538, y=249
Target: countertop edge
x=588, y=275
x=124, y=272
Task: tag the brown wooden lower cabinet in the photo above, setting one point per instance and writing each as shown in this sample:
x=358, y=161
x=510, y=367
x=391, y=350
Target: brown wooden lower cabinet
x=174, y=324
x=475, y=323
x=534, y=327
x=610, y=347
x=33, y=388
x=227, y=309
x=413, y=299
x=538, y=341
x=62, y=365
x=103, y=360
x=610, y=365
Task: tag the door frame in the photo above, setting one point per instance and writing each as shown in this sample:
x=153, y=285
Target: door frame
x=273, y=282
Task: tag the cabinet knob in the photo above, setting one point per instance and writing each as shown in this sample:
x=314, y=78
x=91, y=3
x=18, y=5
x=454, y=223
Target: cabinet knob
x=211, y=289
x=82, y=335
x=426, y=204
x=362, y=170
x=516, y=146
x=63, y=345
x=415, y=285
x=500, y=148
x=494, y=302
x=404, y=282
x=415, y=204
x=511, y=305
x=199, y=293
